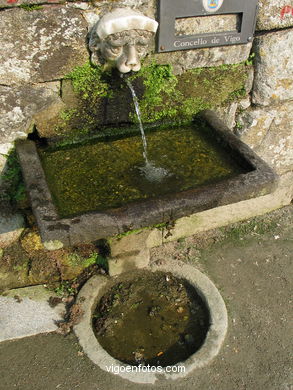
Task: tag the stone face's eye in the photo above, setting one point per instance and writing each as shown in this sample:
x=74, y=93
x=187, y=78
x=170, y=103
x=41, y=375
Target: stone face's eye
x=115, y=49
x=140, y=49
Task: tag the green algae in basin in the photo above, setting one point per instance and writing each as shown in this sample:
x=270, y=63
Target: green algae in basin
x=107, y=174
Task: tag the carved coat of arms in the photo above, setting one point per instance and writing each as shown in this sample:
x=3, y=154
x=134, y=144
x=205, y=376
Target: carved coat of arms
x=212, y=5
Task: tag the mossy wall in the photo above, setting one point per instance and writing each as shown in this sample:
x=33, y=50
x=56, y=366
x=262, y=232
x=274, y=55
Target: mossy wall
x=95, y=98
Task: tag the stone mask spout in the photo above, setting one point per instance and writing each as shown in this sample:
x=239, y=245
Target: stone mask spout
x=122, y=37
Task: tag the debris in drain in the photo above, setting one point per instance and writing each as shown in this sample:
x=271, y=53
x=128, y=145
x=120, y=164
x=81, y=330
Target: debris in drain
x=54, y=301
x=74, y=317
x=155, y=319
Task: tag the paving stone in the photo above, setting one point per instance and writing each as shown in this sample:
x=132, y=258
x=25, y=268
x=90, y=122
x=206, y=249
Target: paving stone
x=26, y=312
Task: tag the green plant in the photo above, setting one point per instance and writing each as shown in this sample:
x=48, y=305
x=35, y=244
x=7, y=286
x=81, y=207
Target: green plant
x=239, y=125
x=90, y=85
x=88, y=82
x=180, y=98
x=95, y=258
x=65, y=288
x=160, y=83
x=128, y=233
x=250, y=59
x=31, y=7
x=166, y=97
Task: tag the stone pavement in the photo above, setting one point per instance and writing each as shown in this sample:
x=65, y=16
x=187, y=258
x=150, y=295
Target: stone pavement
x=251, y=264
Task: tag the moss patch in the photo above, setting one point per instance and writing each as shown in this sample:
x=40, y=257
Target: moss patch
x=14, y=189
x=89, y=86
x=164, y=97
x=179, y=98
x=88, y=83
x=26, y=263
x=31, y=7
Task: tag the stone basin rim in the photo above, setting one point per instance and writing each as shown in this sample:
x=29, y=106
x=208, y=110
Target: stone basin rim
x=94, y=225
x=96, y=286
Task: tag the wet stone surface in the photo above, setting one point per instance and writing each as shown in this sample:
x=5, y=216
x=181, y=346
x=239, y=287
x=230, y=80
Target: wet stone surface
x=154, y=318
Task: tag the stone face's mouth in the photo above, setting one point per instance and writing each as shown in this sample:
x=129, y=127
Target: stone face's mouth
x=160, y=325
x=97, y=190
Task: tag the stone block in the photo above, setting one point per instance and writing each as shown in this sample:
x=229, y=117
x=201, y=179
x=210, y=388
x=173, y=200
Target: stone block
x=11, y=226
x=129, y=243
x=273, y=14
x=215, y=56
x=129, y=261
x=225, y=215
x=48, y=120
x=227, y=114
x=269, y=134
x=42, y=45
x=4, y=150
x=26, y=312
x=18, y=107
x=273, y=68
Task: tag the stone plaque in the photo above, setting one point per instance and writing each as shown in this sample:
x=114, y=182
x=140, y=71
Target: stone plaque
x=191, y=24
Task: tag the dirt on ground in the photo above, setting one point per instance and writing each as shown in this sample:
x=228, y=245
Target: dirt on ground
x=251, y=264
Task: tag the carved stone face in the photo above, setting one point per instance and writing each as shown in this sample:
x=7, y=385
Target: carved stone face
x=125, y=49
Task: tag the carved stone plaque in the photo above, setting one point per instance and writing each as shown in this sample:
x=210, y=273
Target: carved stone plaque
x=191, y=24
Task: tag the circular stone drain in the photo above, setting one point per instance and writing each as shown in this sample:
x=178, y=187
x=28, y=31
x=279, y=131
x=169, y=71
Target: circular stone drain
x=154, y=318
x=173, y=316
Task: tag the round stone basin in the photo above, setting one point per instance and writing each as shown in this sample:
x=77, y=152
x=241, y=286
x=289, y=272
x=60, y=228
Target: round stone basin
x=152, y=318
x=167, y=315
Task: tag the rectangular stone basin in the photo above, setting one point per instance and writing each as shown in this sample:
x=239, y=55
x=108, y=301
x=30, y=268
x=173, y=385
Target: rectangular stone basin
x=96, y=190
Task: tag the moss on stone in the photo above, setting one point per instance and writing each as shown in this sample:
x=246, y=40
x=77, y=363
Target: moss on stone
x=12, y=180
x=165, y=97
x=181, y=97
x=31, y=7
x=88, y=82
x=26, y=262
x=90, y=86
x=31, y=242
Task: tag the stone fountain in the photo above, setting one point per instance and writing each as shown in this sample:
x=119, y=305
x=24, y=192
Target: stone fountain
x=122, y=38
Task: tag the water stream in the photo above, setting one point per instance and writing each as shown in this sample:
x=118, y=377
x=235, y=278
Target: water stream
x=150, y=171
x=137, y=110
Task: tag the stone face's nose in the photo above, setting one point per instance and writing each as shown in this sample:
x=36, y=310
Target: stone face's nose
x=132, y=57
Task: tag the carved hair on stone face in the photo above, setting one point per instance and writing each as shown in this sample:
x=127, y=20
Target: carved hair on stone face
x=122, y=38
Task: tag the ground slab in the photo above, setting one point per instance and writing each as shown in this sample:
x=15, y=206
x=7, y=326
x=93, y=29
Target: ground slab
x=26, y=312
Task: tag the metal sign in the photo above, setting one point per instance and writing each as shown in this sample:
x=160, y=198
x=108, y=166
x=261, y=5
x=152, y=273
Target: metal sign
x=173, y=10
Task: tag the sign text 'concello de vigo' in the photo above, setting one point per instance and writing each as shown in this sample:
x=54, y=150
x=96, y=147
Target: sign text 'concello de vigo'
x=243, y=12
